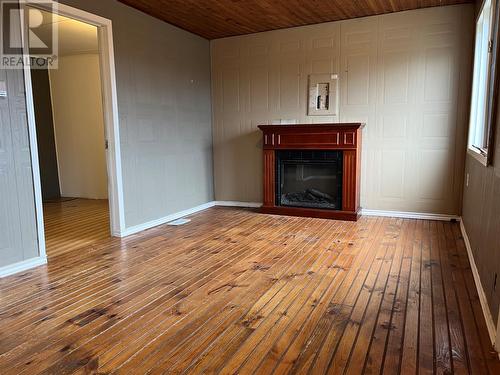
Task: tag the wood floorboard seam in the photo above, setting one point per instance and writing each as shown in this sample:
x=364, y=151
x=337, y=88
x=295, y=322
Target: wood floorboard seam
x=348, y=317
x=334, y=279
x=236, y=291
x=319, y=283
x=371, y=296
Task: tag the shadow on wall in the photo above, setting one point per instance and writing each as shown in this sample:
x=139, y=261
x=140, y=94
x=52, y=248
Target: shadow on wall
x=245, y=162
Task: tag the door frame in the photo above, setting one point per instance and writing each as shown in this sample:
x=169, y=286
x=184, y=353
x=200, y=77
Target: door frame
x=110, y=110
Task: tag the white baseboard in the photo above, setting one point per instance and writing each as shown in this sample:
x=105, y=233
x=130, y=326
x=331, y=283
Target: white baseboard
x=238, y=204
x=178, y=215
x=402, y=214
x=480, y=291
x=22, y=266
x=366, y=212
x=150, y=224
x=409, y=215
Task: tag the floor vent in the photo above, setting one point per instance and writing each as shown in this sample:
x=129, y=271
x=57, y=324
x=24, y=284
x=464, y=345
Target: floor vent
x=179, y=222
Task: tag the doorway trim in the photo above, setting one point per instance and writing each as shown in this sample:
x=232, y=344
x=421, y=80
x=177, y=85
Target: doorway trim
x=111, y=118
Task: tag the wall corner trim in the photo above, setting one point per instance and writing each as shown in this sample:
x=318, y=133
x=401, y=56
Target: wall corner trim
x=22, y=266
x=163, y=220
x=480, y=291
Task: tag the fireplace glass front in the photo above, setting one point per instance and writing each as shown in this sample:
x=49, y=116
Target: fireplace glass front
x=309, y=179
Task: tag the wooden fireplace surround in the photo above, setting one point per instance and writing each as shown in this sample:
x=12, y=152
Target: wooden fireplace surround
x=345, y=137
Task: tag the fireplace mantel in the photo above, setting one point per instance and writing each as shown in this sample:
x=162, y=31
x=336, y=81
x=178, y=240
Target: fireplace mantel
x=345, y=137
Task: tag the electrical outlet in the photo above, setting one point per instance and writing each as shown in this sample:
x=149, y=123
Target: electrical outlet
x=467, y=180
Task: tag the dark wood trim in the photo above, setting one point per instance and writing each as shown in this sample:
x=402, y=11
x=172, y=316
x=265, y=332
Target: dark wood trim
x=269, y=178
x=345, y=137
x=331, y=126
x=358, y=168
x=311, y=137
x=349, y=181
x=310, y=212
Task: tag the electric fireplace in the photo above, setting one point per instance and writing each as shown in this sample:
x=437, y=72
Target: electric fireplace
x=312, y=170
x=311, y=179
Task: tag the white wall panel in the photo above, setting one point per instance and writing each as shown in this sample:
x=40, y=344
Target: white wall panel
x=231, y=90
x=358, y=94
x=396, y=80
x=438, y=75
x=394, y=127
x=289, y=86
x=358, y=79
x=433, y=183
x=259, y=88
x=392, y=173
x=406, y=75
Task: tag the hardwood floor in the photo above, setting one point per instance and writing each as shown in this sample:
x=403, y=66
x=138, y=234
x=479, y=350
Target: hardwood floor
x=74, y=223
x=234, y=291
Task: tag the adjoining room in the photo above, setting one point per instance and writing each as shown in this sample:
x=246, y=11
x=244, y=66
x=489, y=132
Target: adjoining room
x=71, y=138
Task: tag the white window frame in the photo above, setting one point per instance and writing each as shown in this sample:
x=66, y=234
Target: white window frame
x=482, y=112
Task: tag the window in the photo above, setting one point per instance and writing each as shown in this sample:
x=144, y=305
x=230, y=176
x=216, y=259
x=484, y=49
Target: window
x=484, y=82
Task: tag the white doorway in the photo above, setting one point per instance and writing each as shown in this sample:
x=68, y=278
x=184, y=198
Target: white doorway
x=110, y=137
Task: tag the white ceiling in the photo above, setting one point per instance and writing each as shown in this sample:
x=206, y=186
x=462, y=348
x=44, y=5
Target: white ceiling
x=75, y=37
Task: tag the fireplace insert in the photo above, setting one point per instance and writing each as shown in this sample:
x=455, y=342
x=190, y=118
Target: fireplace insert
x=309, y=179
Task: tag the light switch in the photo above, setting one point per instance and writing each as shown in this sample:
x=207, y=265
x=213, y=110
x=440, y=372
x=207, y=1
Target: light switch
x=3, y=89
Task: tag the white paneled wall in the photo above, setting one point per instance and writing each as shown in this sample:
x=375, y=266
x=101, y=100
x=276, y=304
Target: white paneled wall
x=406, y=75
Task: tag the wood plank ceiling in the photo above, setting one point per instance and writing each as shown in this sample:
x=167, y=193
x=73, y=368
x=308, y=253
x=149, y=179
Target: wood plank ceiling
x=214, y=19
